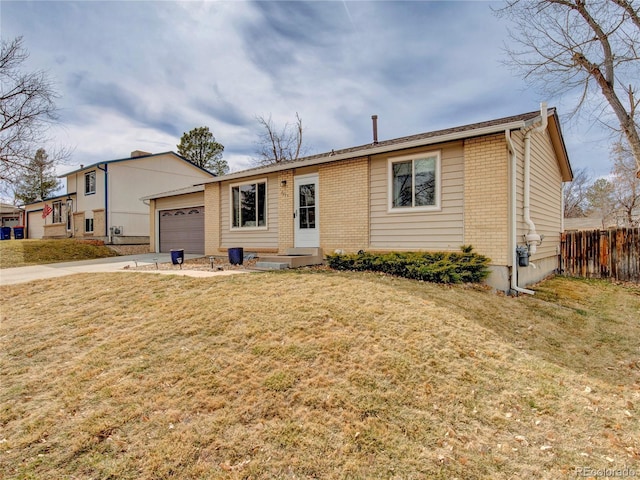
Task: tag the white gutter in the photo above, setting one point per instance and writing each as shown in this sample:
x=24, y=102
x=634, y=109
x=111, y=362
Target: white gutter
x=532, y=237
x=512, y=218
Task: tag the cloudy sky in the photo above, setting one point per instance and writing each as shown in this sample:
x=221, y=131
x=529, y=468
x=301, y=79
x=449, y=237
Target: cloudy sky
x=135, y=75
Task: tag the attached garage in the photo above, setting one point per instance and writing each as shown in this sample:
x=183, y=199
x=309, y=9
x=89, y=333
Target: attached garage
x=182, y=228
x=35, y=224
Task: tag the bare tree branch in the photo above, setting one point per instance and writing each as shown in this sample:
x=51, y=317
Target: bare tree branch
x=593, y=46
x=278, y=146
x=27, y=108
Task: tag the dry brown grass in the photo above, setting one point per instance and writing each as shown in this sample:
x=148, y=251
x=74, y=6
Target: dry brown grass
x=19, y=253
x=315, y=375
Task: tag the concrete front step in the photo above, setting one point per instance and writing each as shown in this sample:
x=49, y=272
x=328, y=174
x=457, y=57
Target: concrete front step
x=295, y=257
x=271, y=266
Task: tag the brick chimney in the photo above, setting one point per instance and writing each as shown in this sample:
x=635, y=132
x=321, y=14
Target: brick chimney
x=139, y=153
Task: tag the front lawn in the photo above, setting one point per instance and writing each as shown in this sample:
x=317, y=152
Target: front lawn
x=315, y=375
x=19, y=253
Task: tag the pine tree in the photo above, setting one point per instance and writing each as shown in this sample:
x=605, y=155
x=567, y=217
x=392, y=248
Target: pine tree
x=199, y=146
x=39, y=179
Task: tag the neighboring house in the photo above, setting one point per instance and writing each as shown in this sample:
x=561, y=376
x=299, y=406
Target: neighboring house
x=616, y=219
x=495, y=185
x=103, y=199
x=10, y=215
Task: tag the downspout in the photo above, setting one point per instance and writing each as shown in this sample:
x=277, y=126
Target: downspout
x=512, y=217
x=532, y=238
x=106, y=201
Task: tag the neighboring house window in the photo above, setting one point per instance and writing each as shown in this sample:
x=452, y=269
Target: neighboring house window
x=88, y=225
x=57, y=212
x=90, y=183
x=249, y=205
x=415, y=182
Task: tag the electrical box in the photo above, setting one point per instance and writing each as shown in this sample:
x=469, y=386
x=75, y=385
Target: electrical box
x=523, y=256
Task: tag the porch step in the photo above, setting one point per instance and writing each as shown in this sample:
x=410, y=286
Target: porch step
x=271, y=266
x=313, y=251
x=295, y=257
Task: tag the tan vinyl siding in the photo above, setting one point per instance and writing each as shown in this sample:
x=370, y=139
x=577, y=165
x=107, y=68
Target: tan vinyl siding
x=433, y=230
x=257, y=239
x=546, y=195
x=180, y=201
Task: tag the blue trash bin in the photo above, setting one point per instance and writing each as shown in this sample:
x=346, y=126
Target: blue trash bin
x=177, y=256
x=235, y=256
x=5, y=233
x=18, y=233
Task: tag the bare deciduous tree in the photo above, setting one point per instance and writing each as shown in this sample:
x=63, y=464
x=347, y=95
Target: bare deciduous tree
x=588, y=45
x=275, y=146
x=26, y=108
x=626, y=187
x=574, y=193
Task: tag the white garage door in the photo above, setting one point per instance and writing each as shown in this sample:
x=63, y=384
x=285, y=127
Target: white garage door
x=35, y=225
x=182, y=228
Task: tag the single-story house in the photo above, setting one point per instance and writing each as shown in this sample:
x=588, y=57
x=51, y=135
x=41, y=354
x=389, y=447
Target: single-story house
x=10, y=215
x=495, y=185
x=103, y=199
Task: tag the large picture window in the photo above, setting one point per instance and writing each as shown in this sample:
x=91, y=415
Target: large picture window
x=415, y=182
x=249, y=205
x=90, y=183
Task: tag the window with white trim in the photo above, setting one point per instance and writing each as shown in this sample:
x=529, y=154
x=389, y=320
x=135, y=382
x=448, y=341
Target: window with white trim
x=415, y=182
x=249, y=205
x=88, y=225
x=90, y=183
x=57, y=212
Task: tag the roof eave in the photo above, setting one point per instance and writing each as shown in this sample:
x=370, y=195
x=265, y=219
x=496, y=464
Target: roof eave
x=488, y=130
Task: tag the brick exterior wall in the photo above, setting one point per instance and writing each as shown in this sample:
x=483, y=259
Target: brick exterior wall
x=212, y=219
x=285, y=211
x=56, y=230
x=78, y=224
x=486, y=197
x=99, y=223
x=344, y=205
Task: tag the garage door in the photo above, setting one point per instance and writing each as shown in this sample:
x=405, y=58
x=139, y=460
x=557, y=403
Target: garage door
x=35, y=225
x=182, y=228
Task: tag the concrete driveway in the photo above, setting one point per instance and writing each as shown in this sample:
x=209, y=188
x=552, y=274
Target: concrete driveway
x=10, y=276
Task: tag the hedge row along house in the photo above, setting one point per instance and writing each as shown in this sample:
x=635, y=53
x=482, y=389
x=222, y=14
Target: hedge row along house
x=495, y=185
x=103, y=199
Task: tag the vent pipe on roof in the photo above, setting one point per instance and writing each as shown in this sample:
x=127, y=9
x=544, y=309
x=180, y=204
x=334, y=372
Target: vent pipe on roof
x=374, y=118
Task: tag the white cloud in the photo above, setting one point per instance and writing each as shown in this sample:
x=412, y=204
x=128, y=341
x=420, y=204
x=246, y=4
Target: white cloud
x=136, y=75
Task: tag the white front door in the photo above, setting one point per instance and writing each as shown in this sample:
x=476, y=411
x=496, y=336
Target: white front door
x=306, y=213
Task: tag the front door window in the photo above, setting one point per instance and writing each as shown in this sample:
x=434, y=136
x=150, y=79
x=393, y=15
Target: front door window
x=306, y=214
x=307, y=211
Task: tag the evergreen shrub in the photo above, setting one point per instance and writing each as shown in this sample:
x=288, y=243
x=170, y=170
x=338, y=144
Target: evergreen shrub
x=437, y=267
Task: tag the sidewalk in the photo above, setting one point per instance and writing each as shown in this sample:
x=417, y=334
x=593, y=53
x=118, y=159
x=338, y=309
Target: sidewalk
x=10, y=276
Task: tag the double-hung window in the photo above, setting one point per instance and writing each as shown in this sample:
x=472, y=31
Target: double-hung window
x=57, y=212
x=249, y=205
x=415, y=182
x=90, y=183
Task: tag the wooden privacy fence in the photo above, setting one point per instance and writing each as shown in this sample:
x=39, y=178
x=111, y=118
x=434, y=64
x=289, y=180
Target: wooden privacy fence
x=611, y=254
